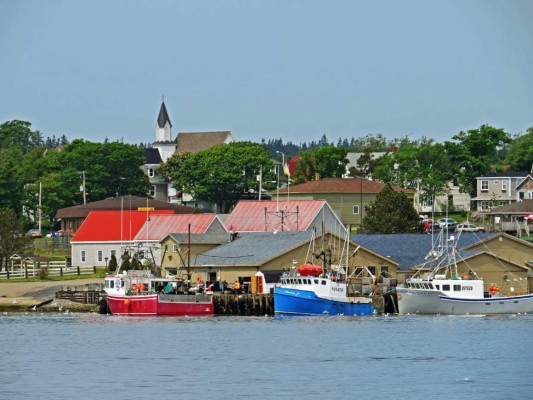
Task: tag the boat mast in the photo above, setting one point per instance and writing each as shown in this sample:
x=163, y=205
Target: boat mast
x=188, y=257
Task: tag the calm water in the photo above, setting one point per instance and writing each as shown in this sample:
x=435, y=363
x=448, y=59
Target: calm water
x=91, y=356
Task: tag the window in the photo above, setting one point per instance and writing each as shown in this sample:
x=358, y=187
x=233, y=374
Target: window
x=82, y=256
x=456, y=288
x=446, y=287
x=356, y=210
x=175, y=248
x=504, y=185
x=151, y=172
x=372, y=270
x=100, y=255
x=384, y=269
x=166, y=247
x=152, y=191
x=484, y=186
x=485, y=205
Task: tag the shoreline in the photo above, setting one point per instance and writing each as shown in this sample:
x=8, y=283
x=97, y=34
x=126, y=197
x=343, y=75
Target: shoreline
x=40, y=296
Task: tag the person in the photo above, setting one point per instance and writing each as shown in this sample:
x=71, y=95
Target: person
x=237, y=287
x=160, y=289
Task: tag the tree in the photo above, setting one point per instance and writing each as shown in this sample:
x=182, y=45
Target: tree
x=110, y=169
x=12, y=237
x=390, y=212
x=18, y=134
x=327, y=162
x=520, y=153
x=472, y=153
x=222, y=173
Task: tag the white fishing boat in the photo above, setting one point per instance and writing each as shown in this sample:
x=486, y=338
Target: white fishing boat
x=443, y=290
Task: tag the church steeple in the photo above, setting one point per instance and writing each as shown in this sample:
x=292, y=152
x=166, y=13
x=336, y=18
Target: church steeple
x=164, y=126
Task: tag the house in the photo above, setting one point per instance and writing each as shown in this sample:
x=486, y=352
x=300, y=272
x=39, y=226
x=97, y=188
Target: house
x=497, y=258
x=275, y=252
x=157, y=227
x=513, y=218
x=72, y=217
x=104, y=234
x=347, y=197
x=524, y=190
x=497, y=189
x=283, y=215
x=452, y=194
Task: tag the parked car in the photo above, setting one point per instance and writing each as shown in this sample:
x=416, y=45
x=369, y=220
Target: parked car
x=469, y=227
x=36, y=233
x=447, y=223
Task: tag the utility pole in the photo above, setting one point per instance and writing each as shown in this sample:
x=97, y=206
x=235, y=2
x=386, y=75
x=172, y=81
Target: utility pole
x=83, y=187
x=40, y=204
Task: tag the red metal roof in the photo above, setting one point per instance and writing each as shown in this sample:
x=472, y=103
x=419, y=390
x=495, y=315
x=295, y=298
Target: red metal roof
x=250, y=216
x=113, y=226
x=160, y=226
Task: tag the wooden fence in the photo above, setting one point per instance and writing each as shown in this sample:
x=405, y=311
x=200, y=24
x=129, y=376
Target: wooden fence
x=34, y=272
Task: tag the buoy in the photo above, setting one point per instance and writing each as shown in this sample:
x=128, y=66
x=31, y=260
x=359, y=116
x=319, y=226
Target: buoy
x=127, y=302
x=134, y=287
x=141, y=286
x=198, y=280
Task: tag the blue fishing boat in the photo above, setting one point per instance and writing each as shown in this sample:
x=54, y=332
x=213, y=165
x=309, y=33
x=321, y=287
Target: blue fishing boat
x=326, y=290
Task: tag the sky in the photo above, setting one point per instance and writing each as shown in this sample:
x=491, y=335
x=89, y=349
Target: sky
x=294, y=70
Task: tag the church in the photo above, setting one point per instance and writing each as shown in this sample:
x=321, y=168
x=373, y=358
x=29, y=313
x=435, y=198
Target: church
x=165, y=147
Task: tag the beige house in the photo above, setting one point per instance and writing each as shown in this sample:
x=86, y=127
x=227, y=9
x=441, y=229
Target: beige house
x=514, y=218
x=346, y=196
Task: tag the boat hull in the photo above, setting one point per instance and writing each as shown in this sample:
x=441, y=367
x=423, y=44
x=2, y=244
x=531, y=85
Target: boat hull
x=301, y=302
x=161, y=304
x=433, y=302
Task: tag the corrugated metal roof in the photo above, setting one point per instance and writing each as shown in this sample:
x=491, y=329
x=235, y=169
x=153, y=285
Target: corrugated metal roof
x=113, y=226
x=160, y=226
x=253, y=248
x=257, y=216
x=410, y=249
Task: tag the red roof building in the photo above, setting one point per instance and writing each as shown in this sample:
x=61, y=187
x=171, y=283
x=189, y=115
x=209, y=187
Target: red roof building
x=159, y=226
x=113, y=226
x=294, y=215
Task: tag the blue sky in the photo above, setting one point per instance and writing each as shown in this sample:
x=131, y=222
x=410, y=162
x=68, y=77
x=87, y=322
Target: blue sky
x=267, y=69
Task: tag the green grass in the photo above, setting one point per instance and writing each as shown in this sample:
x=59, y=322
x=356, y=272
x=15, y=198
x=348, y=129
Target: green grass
x=100, y=273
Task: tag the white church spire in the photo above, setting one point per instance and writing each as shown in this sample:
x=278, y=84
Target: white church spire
x=163, y=129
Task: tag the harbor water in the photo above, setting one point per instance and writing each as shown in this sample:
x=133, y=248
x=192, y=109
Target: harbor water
x=92, y=356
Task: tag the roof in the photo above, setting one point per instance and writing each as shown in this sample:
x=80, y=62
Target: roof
x=520, y=207
x=121, y=203
x=152, y=156
x=527, y=179
x=163, y=117
x=112, y=226
x=200, y=238
x=254, y=248
x=194, y=142
x=340, y=185
x=410, y=249
x=250, y=215
x=159, y=226
x=506, y=174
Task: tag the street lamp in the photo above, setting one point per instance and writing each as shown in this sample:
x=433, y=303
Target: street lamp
x=282, y=166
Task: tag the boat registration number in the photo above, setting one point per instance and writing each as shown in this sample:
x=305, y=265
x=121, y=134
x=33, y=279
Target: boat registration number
x=337, y=289
x=467, y=288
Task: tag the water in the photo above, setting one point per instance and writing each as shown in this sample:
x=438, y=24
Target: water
x=92, y=356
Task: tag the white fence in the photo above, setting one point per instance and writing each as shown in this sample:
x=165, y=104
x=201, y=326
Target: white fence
x=51, y=270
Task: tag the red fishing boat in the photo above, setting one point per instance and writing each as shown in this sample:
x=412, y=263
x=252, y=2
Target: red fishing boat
x=140, y=293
